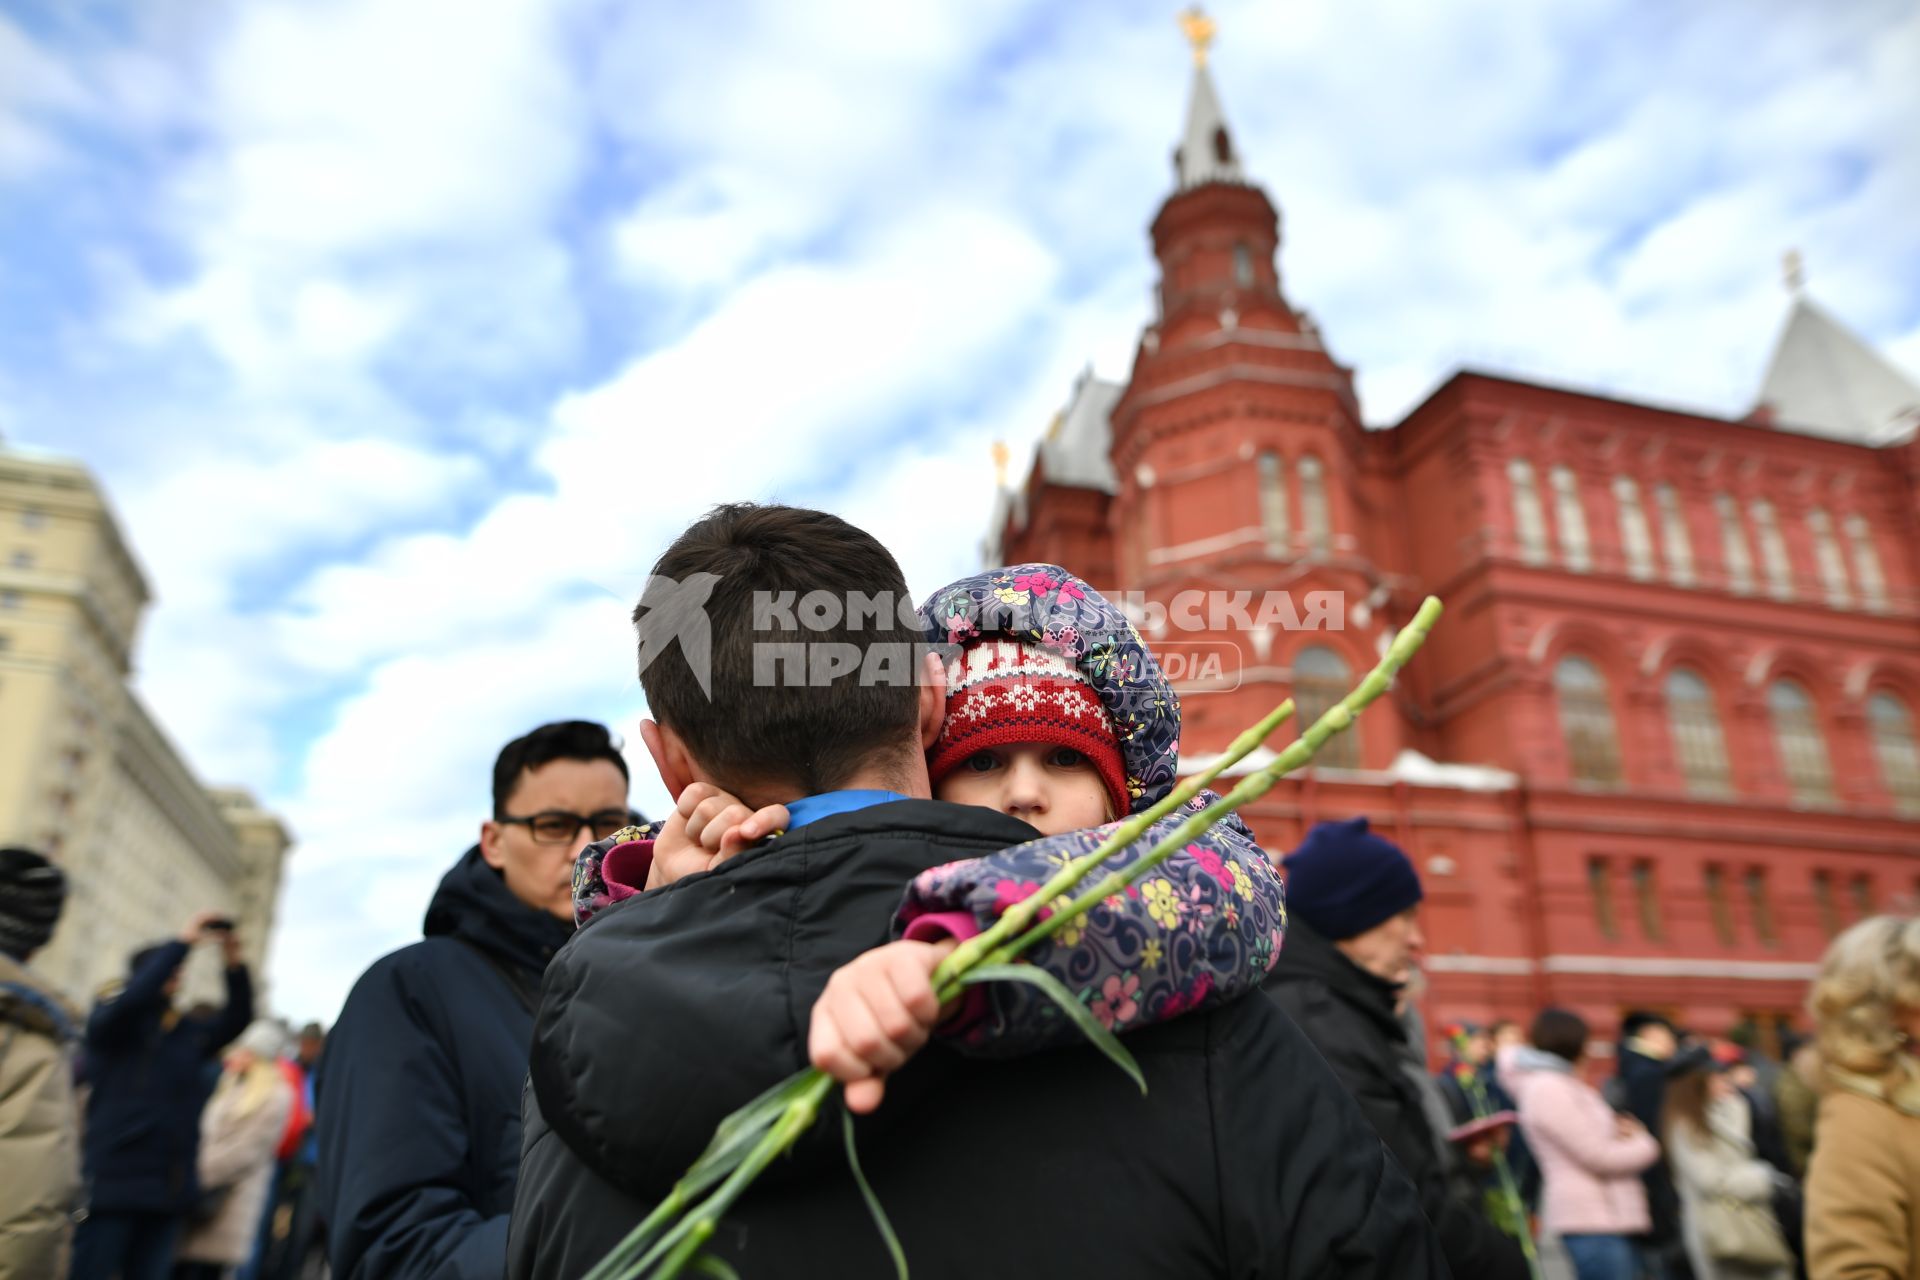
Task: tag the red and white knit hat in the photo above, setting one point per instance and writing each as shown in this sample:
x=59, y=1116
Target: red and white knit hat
x=1001, y=693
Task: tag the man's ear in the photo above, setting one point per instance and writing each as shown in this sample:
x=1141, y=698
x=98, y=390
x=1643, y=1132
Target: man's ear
x=490, y=850
x=933, y=699
x=670, y=757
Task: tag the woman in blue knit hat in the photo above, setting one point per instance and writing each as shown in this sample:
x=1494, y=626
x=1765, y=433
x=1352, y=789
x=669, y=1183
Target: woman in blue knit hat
x=1353, y=943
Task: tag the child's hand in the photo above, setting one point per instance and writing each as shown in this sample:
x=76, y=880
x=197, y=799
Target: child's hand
x=876, y=1011
x=707, y=826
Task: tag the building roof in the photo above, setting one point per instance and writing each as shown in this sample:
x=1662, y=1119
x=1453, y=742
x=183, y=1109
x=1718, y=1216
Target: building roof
x=1825, y=380
x=1078, y=449
x=1206, y=152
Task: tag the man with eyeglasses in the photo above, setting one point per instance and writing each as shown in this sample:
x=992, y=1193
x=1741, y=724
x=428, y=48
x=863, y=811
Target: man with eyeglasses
x=417, y=1098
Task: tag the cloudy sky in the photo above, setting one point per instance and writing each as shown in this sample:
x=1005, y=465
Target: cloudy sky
x=404, y=333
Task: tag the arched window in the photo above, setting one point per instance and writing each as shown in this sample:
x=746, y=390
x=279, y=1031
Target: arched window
x=1321, y=678
x=1313, y=504
x=1866, y=564
x=1586, y=720
x=1892, y=727
x=1273, y=503
x=1575, y=551
x=1529, y=521
x=1826, y=554
x=1673, y=534
x=1733, y=545
x=1242, y=267
x=1698, y=744
x=1773, y=550
x=1803, y=749
x=1636, y=539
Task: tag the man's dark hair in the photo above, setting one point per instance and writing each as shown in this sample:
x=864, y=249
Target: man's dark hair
x=1639, y=1020
x=1560, y=1031
x=761, y=724
x=139, y=958
x=561, y=740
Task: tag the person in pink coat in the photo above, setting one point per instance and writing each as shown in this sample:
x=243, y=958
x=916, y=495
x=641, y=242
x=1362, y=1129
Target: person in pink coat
x=1590, y=1157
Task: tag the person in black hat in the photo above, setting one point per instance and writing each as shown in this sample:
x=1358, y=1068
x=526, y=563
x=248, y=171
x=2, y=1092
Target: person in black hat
x=39, y=1030
x=1353, y=944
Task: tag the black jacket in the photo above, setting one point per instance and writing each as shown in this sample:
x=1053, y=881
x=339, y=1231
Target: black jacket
x=417, y=1098
x=1643, y=1090
x=671, y=1009
x=1348, y=1015
x=147, y=1067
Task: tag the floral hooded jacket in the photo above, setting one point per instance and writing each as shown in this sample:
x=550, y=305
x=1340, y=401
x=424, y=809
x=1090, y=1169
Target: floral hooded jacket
x=1204, y=927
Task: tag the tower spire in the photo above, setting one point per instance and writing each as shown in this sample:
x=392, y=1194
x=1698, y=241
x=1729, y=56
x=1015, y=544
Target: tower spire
x=1206, y=152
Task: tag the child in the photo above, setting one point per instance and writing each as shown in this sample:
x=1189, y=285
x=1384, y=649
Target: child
x=1056, y=714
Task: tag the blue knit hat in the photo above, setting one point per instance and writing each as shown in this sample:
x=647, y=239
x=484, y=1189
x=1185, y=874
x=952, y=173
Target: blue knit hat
x=1343, y=880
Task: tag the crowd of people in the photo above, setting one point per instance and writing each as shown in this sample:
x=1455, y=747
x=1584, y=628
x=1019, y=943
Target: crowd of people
x=144, y=1141
x=593, y=994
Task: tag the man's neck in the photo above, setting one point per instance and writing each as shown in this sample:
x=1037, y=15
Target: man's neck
x=912, y=784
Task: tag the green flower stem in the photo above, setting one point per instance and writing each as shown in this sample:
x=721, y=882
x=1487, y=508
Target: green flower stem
x=1019, y=916
x=1296, y=753
x=698, y=1225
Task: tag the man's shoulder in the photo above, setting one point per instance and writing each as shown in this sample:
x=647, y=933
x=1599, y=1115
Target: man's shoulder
x=416, y=972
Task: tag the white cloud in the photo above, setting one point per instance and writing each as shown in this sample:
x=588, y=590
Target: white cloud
x=33, y=85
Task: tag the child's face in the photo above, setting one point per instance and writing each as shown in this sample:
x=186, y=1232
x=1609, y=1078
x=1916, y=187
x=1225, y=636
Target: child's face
x=1053, y=789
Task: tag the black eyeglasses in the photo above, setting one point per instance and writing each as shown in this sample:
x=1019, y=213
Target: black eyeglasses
x=556, y=826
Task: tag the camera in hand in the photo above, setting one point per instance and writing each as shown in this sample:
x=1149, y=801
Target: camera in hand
x=220, y=924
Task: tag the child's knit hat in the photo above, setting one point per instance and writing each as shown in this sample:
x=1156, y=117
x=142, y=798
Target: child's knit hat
x=1003, y=693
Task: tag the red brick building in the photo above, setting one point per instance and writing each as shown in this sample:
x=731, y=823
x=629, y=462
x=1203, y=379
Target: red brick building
x=1662, y=747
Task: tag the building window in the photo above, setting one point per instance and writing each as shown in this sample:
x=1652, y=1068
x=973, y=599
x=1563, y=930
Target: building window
x=1891, y=725
x=1717, y=904
x=1773, y=550
x=1575, y=551
x=1646, y=896
x=1321, y=678
x=1600, y=886
x=1273, y=502
x=9, y=600
x=1823, y=900
x=22, y=559
x=6, y=642
x=1586, y=721
x=1698, y=745
x=1863, y=905
x=1313, y=504
x=1757, y=903
x=1529, y=520
x=1673, y=533
x=1866, y=564
x=1803, y=749
x=33, y=518
x=1636, y=539
x=1826, y=554
x=1242, y=267
x=1733, y=546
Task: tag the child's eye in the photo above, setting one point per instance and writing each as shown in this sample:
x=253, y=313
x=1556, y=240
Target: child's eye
x=982, y=762
x=1066, y=758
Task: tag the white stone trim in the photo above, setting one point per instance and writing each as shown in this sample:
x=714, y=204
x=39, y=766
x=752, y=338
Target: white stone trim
x=1207, y=546
x=1684, y=967
x=1630, y=967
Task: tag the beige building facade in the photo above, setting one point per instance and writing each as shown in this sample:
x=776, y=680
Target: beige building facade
x=86, y=775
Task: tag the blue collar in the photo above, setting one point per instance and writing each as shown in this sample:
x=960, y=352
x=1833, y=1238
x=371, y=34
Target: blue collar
x=813, y=808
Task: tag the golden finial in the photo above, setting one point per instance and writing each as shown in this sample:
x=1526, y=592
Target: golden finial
x=1199, y=28
x=1796, y=271
x=1000, y=455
